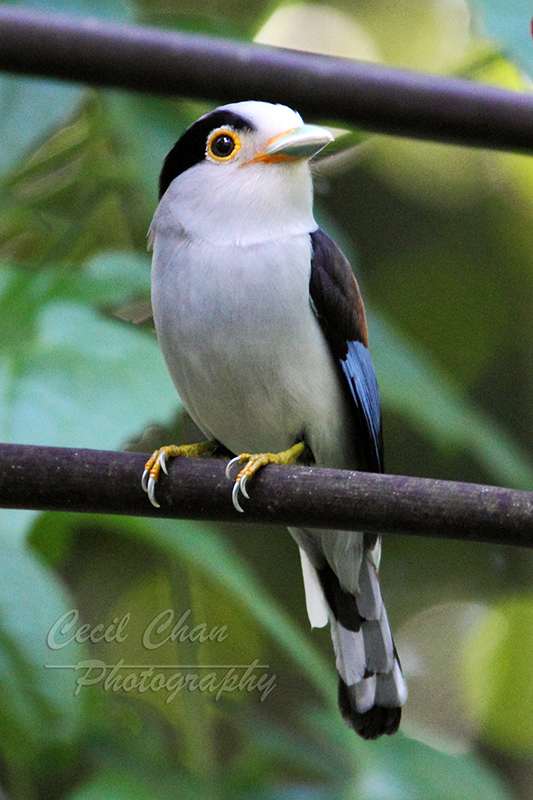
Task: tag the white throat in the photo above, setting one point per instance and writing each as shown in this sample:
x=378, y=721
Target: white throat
x=227, y=204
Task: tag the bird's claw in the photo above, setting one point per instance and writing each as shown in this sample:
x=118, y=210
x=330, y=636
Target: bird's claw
x=243, y=486
x=151, y=492
x=254, y=462
x=240, y=480
x=235, y=460
x=235, y=496
x=144, y=480
x=158, y=461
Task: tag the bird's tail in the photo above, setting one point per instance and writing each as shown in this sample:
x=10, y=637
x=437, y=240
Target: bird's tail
x=341, y=584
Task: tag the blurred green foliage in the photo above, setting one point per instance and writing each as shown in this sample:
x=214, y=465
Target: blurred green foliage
x=440, y=238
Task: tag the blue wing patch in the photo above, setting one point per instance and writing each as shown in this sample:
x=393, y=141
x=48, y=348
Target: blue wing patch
x=358, y=369
x=338, y=306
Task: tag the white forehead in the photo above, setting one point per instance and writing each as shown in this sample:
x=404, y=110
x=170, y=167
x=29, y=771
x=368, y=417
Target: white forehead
x=268, y=118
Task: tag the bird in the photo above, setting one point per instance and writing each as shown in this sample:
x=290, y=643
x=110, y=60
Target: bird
x=262, y=326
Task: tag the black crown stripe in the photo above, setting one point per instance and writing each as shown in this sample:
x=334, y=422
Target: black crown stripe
x=190, y=147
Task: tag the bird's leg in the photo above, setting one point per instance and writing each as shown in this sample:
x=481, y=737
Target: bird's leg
x=158, y=462
x=254, y=462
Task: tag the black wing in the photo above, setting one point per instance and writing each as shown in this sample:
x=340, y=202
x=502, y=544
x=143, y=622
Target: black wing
x=339, y=308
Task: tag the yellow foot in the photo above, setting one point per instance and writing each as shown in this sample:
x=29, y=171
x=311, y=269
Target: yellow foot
x=254, y=462
x=158, y=462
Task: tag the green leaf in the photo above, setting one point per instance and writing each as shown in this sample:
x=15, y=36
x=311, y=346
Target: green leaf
x=149, y=128
x=205, y=551
x=40, y=718
x=112, y=10
x=14, y=524
x=78, y=194
x=208, y=552
x=31, y=108
x=401, y=769
x=412, y=386
x=69, y=377
x=497, y=676
x=122, y=785
x=223, y=595
x=508, y=24
x=110, y=279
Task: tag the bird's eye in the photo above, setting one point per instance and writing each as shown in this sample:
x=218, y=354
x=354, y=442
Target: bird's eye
x=223, y=145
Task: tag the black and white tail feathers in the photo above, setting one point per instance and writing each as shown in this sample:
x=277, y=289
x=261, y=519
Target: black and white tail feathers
x=341, y=585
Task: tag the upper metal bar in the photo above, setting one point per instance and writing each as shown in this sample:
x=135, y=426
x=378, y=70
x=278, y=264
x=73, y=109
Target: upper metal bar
x=369, y=96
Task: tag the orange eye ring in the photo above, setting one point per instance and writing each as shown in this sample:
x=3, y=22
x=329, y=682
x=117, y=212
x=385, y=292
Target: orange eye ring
x=223, y=145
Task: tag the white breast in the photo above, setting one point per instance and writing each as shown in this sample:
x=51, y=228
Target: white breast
x=243, y=347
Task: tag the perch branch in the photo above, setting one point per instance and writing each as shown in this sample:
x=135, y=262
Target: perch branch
x=94, y=481
x=370, y=96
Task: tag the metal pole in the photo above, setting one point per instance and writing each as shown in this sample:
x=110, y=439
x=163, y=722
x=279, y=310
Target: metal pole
x=369, y=96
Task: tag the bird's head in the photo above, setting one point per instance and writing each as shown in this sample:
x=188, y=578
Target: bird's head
x=240, y=175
